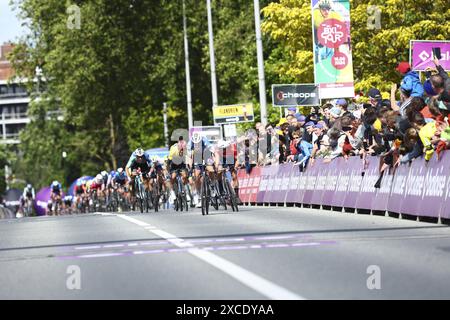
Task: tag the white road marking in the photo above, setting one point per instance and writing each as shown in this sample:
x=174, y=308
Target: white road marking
x=251, y=280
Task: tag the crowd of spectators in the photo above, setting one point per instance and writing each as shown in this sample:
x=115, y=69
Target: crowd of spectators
x=396, y=130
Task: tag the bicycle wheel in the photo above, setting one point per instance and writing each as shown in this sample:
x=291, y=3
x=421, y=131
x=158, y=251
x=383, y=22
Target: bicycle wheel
x=156, y=195
x=232, y=195
x=214, y=196
x=205, y=194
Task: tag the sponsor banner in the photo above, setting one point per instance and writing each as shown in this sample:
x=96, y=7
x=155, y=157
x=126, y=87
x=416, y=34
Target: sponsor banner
x=243, y=178
x=272, y=173
x=321, y=181
x=264, y=184
x=342, y=172
x=355, y=182
x=295, y=192
x=435, y=186
x=310, y=182
x=367, y=190
x=238, y=113
x=445, y=200
x=414, y=187
x=420, y=189
x=249, y=184
x=381, y=199
x=421, y=56
x=281, y=183
x=333, y=62
x=294, y=95
x=398, y=189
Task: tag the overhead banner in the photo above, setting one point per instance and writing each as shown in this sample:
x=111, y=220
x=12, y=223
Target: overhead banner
x=295, y=95
x=333, y=62
x=421, y=55
x=238, y=113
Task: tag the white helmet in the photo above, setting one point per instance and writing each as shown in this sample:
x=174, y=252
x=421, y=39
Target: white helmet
x=104, y=173
x=120, y=170
x=55, y=183
x=139, y=152
x=99, y=177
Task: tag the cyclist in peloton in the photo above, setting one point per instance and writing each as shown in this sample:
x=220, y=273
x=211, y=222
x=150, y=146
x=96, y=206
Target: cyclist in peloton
x=228, y=161
x=28, y=192
x=80, y=192
x=201, y=154
x=56, y=192
x=177, y=162
x=139, y=160
x=28, y=195
x=120, y=180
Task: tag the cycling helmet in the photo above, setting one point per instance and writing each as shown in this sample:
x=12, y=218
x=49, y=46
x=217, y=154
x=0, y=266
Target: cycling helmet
x=55, y=183
x=104, y=173
x=99, y=177
x=325, y=5
x=120, y=170
x=29, y=186
x=139, y=152
x=79, y=183
x=196, y=137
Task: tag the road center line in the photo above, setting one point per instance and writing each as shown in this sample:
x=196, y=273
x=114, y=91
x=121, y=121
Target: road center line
x=251, y=280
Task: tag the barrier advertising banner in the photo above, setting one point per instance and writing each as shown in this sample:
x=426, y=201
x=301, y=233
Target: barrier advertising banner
x=333, y=62
x=421, y=55
x=354, y=183
x=419, y=189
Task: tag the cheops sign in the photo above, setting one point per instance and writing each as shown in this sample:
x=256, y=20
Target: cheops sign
x=293, y=95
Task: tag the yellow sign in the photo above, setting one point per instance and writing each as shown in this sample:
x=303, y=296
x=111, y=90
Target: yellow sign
x=234, y=113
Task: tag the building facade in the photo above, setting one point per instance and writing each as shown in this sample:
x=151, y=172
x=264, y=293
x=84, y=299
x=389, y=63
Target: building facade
x=14, y=101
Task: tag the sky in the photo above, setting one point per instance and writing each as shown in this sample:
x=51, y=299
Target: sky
x=10, y=28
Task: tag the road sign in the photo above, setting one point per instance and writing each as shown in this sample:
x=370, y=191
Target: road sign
x=234, y=114
x=294, y=95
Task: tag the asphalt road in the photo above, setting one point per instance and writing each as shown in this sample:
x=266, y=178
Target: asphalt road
x=258, y=253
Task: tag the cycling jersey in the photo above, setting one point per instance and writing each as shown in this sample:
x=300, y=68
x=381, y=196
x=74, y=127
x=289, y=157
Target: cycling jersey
x=200, y=151
x=145, y=165
x=56, y=189
x=79, y=189
x=28, y=193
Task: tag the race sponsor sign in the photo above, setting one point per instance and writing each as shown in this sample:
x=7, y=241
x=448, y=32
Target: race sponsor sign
x=333, y=62
x=421, y=55
x=294, y=95
x=238, y=113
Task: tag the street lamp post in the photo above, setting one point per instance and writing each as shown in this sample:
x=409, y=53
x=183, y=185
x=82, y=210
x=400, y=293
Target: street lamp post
x=261, y=74
x=212, y=56
x=188, y=73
